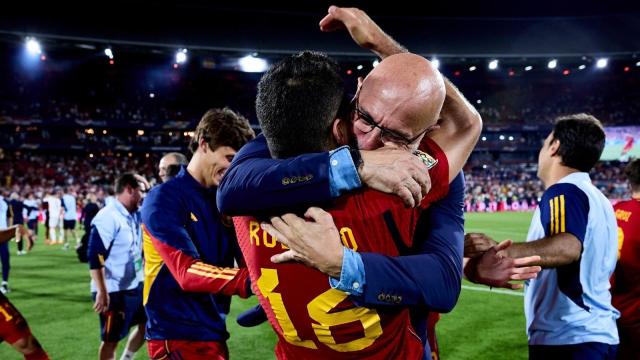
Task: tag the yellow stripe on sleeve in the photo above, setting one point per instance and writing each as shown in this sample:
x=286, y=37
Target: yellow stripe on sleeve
x=556, y=212
x=210, y=275
x=562, y=214
x=211, y=268
x=551, y=216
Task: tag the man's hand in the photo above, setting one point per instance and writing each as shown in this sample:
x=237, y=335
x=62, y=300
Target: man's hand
x=476, y=244
x=495, y=270
x=102, y=302
x=395, y=171
x=9, y=233
x=315, y=243
x=364, y=31
x=142, y=181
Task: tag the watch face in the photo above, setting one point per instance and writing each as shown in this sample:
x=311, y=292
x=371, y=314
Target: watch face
x=427, y=159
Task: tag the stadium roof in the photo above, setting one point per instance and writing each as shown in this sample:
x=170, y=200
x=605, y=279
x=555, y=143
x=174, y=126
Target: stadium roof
x=443, y=28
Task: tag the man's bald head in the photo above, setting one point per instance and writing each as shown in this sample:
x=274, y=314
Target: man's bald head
x=169, y=161
x=405, y=92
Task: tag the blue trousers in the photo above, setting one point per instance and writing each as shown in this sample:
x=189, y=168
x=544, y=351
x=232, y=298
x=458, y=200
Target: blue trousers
x=584, y=351
x=4, y=258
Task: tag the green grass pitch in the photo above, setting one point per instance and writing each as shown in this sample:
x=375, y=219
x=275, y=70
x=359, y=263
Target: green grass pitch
x=51, y=289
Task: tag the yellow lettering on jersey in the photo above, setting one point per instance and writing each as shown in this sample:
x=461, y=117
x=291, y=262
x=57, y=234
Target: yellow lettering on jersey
x=620, y=241
x=268, y=240
x=267, y=283
x=320, y=310
x=254, y=227
x=348, y=239
x=5, y=313
x=623, y=215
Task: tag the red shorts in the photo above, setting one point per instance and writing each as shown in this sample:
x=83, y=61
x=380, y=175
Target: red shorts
x=187, y=350
x=13, y=326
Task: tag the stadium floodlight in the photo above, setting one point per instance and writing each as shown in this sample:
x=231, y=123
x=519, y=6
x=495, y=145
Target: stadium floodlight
x=484, y=138
x=511, y=138
x=528, y=68
x=359, y=67
x=552, y=64
x=253, y=64
x=109, y=53
x=479, y=101
x=472, y=68
x=375, y=63
x=181, y=56
x=435, y=62
x=638, y=63
x=582, y=67
x=33, y=47
x=493, y=64
x=501, y=137
x=602, y=63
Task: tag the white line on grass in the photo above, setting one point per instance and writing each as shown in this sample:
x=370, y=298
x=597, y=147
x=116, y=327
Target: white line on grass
x=497, y=291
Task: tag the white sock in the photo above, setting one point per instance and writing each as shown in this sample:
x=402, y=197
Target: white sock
x=127, y=355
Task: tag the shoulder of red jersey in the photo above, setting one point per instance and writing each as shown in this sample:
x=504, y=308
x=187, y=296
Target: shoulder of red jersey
x=439, y=171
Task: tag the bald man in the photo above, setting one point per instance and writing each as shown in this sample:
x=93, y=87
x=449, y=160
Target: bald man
x=169, y=164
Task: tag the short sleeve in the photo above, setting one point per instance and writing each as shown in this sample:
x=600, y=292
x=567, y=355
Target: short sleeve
x=564, y=208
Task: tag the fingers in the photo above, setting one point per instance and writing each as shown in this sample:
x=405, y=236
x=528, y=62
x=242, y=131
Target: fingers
x=416, y=191
x=284, y=230
x=532, y=274
x=286, y=256
x=529, y=260
x=503, y=245
x=424, y=180
x=275, y=233
x=318, y=215
x=406, y=196
x=334, y=20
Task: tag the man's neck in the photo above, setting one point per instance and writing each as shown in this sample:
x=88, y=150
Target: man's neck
x=194, y=170
x=557, y=173
x=635, y=195
x=121, y=200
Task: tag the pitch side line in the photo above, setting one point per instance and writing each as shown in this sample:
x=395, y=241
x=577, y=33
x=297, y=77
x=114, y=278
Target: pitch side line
x=497, y=291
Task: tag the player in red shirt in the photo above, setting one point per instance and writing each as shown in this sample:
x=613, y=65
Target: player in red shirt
x=322, y=322
x=625, y=282
x=318, y=321
x=13, y=326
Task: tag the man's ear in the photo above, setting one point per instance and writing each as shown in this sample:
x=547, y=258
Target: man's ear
x=554, y=147
x=340, y=131
x=202, y=144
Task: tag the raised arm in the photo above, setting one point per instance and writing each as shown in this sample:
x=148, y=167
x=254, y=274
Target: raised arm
x=460, y=123
x=460, y=127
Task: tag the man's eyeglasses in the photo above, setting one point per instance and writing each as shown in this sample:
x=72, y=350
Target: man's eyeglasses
x=367, y=124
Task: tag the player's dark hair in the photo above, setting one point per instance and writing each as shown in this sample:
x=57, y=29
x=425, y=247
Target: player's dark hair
x=222, y=127
x=297, y=101
x=124, y=180
x=581, y=139
x=632, y=172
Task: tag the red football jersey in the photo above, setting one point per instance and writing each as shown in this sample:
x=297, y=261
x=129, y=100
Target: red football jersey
x=625, y=282
x=315, y=321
